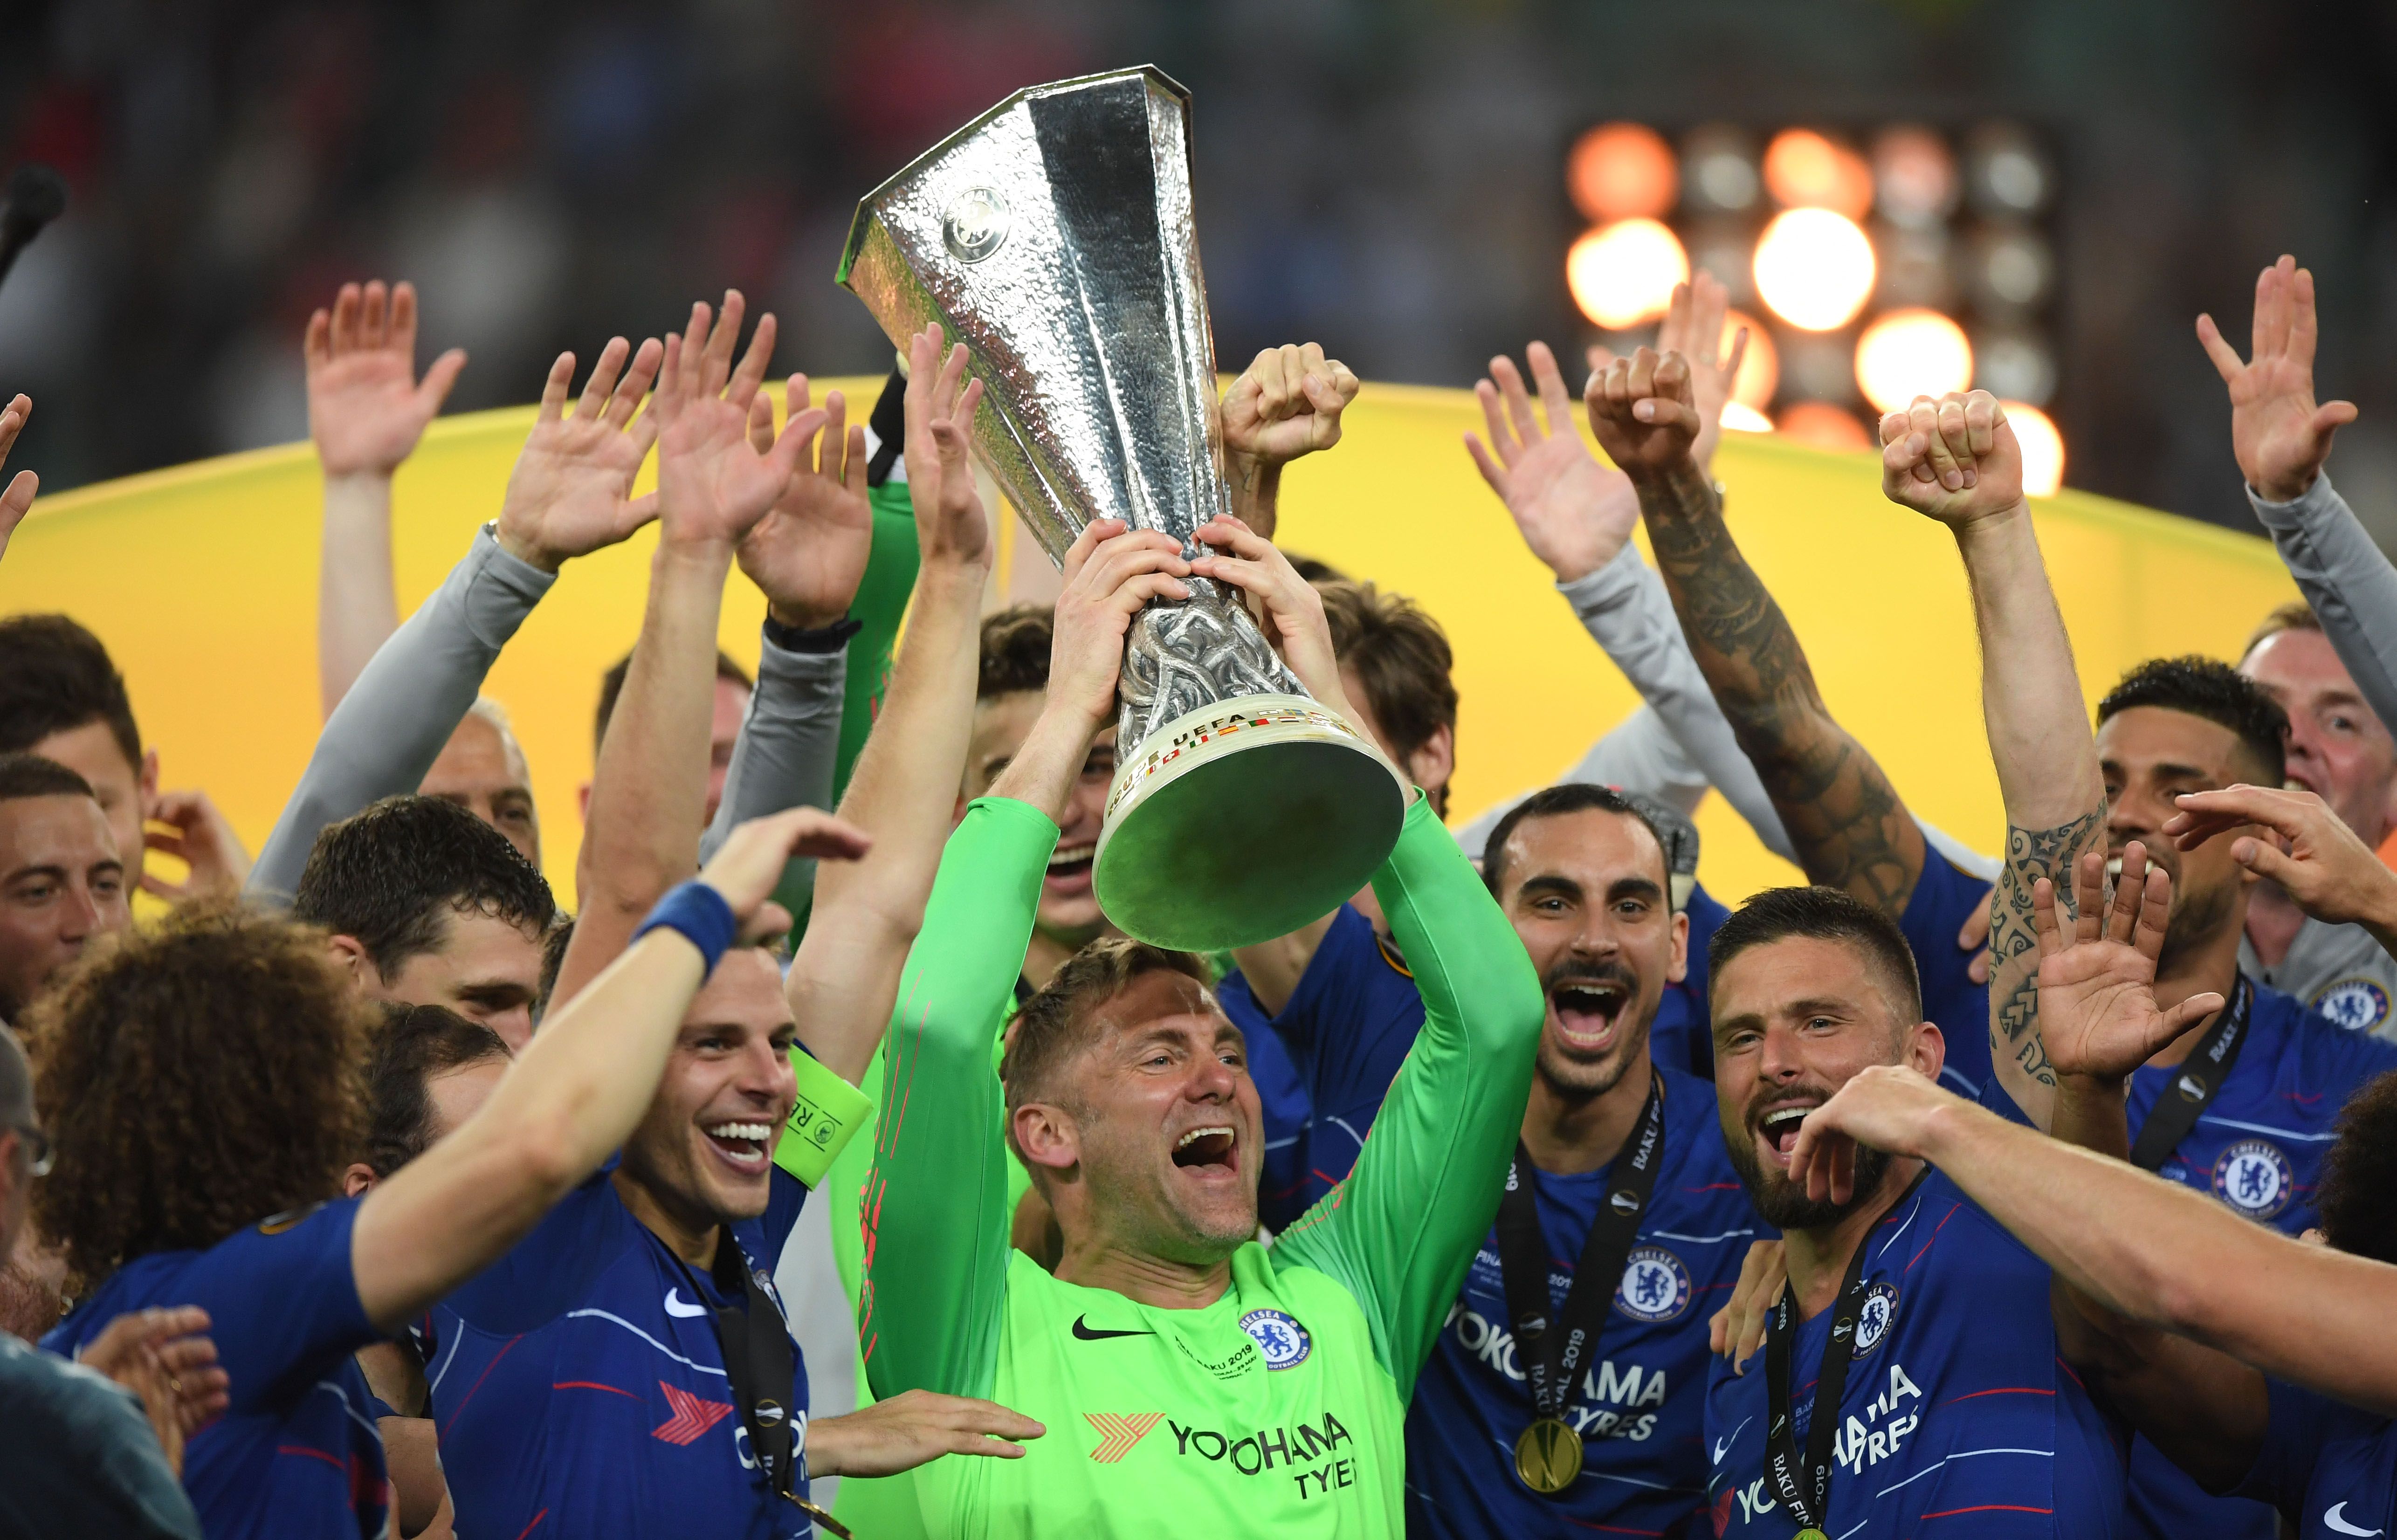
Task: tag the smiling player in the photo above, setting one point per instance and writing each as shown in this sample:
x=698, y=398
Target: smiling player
x=1548, y=1411
x=1182, y=1369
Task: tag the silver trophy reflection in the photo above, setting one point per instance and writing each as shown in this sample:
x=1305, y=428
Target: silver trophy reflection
x=1053, y=237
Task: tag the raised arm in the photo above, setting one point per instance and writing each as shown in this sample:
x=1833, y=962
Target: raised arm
x=367, y=410
x=2280, y=436
x=575, y=1093
x=867, y=914
x=1843, y=815
x=1286, y=404
x=570, y=495
x=649, y=796
x=1956, y=460
x=806, y=555
x=1401, y=1229
x=935, y=1208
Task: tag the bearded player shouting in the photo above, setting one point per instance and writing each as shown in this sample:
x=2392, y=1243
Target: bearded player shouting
x=1233, y=1390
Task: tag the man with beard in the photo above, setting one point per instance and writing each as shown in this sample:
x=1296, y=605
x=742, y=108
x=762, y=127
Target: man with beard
x=1183, y=1369
x=1565, y=1392
x=2242, y=1104
x=1903, y=1300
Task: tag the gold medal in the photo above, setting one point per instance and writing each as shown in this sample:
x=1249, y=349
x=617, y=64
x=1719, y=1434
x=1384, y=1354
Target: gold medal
x=1547, y=1456
x=1811, y=1532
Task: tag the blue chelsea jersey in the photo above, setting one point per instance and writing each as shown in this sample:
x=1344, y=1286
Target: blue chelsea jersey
x=1346, y=1029
x=1944, y=898
x=297, y=1453
x=578, y=1388
x=2329, y=1466
x=1282, y=1099
x=2258, y=1147
x=1641, y=1399
x=1956, y=1408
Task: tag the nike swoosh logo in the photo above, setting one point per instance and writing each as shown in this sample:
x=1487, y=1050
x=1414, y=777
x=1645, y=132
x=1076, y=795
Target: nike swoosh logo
x=1719, y=1452
x=675, y=1306
x=1083, y=1330
x=2338, y=1525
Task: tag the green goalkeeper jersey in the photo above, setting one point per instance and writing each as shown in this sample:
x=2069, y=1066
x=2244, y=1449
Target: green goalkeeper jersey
x=1280, y=1406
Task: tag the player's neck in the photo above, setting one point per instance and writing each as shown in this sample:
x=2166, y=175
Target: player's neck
x=690, y=1236
x=1149, y=1279
x=2209, y=966
x=1567, y=1135
x=1818, y=1259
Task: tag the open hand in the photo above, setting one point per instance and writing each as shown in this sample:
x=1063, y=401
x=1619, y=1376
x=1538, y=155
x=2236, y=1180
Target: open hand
x=571, y=491
x=1111, y=573
x=17, y=499
x=1644, y=413
x=2097, y=1011
x=1293, y=609
x=951, y=526
x=186, y=825
x=1737, y=1330
x=163, y=1357
x=1573, y=513
x=2331, y=873
x=366, y=408
x=1692, y=328
x=2280, y=434
x=910, y=1428
x=748, y=866
x=713, y=485
x=807, y=555
x=1954, y=460
x=1888, y=1107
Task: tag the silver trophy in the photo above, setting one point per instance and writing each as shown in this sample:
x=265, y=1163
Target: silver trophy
x=1053, y=237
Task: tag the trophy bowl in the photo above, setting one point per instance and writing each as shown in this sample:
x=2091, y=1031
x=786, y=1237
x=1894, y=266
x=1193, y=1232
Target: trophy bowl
x=1053, y=237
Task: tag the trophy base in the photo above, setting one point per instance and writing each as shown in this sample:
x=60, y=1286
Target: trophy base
x=1243, y=821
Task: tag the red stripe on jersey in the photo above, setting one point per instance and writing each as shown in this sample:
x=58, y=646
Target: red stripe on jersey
x=534, y=1525
x=478, y=1385
x=333, y=1460
x=1934, y=1237
x=1986, y=1508
x=593, y=1385
x=2002, y=1390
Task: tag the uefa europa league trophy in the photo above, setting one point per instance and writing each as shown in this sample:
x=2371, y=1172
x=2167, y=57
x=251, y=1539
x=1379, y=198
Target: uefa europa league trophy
x=1053, y=237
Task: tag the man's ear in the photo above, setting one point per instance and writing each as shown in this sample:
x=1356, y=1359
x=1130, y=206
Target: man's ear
x=1680, y=968
x=146, y=779
x=358, y=1180
x=1926, y=1049
x=583, y=802
x=1433, y=762
x=350, y=957
x=1045, y=1135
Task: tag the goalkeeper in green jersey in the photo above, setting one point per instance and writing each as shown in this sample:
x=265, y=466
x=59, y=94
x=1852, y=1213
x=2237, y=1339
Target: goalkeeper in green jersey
x=1186, y=1374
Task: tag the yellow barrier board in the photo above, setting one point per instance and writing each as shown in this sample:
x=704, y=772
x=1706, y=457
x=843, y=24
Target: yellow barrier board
x=202, y=581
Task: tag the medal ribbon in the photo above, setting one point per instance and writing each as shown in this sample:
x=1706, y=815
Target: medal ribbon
x=1551, y=1358
x=2208, y=1064
x=1810, y=1499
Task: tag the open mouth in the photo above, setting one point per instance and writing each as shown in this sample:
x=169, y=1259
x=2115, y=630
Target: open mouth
x=1588, y=1011
x=743, y=1147
x=1069, y=865
x=1779, y=1127
x=1209, y=1149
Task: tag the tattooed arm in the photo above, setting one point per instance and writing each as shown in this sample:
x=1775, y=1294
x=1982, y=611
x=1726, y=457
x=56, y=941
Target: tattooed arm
x=1955, y=460
x=1850, y=829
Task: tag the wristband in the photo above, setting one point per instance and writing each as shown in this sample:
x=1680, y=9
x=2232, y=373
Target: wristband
x=822, y=641
x=827, y=1114
x=700, y=915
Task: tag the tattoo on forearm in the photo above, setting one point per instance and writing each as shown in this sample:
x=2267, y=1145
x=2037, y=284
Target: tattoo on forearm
x=1841, y=812
x=2013, y=936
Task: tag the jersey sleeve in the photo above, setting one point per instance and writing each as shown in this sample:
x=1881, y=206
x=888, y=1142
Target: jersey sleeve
x=283, y=1306
x=1341, y=1026
x=1944, y=898
x=935, y=1214
x=1400, y=1232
